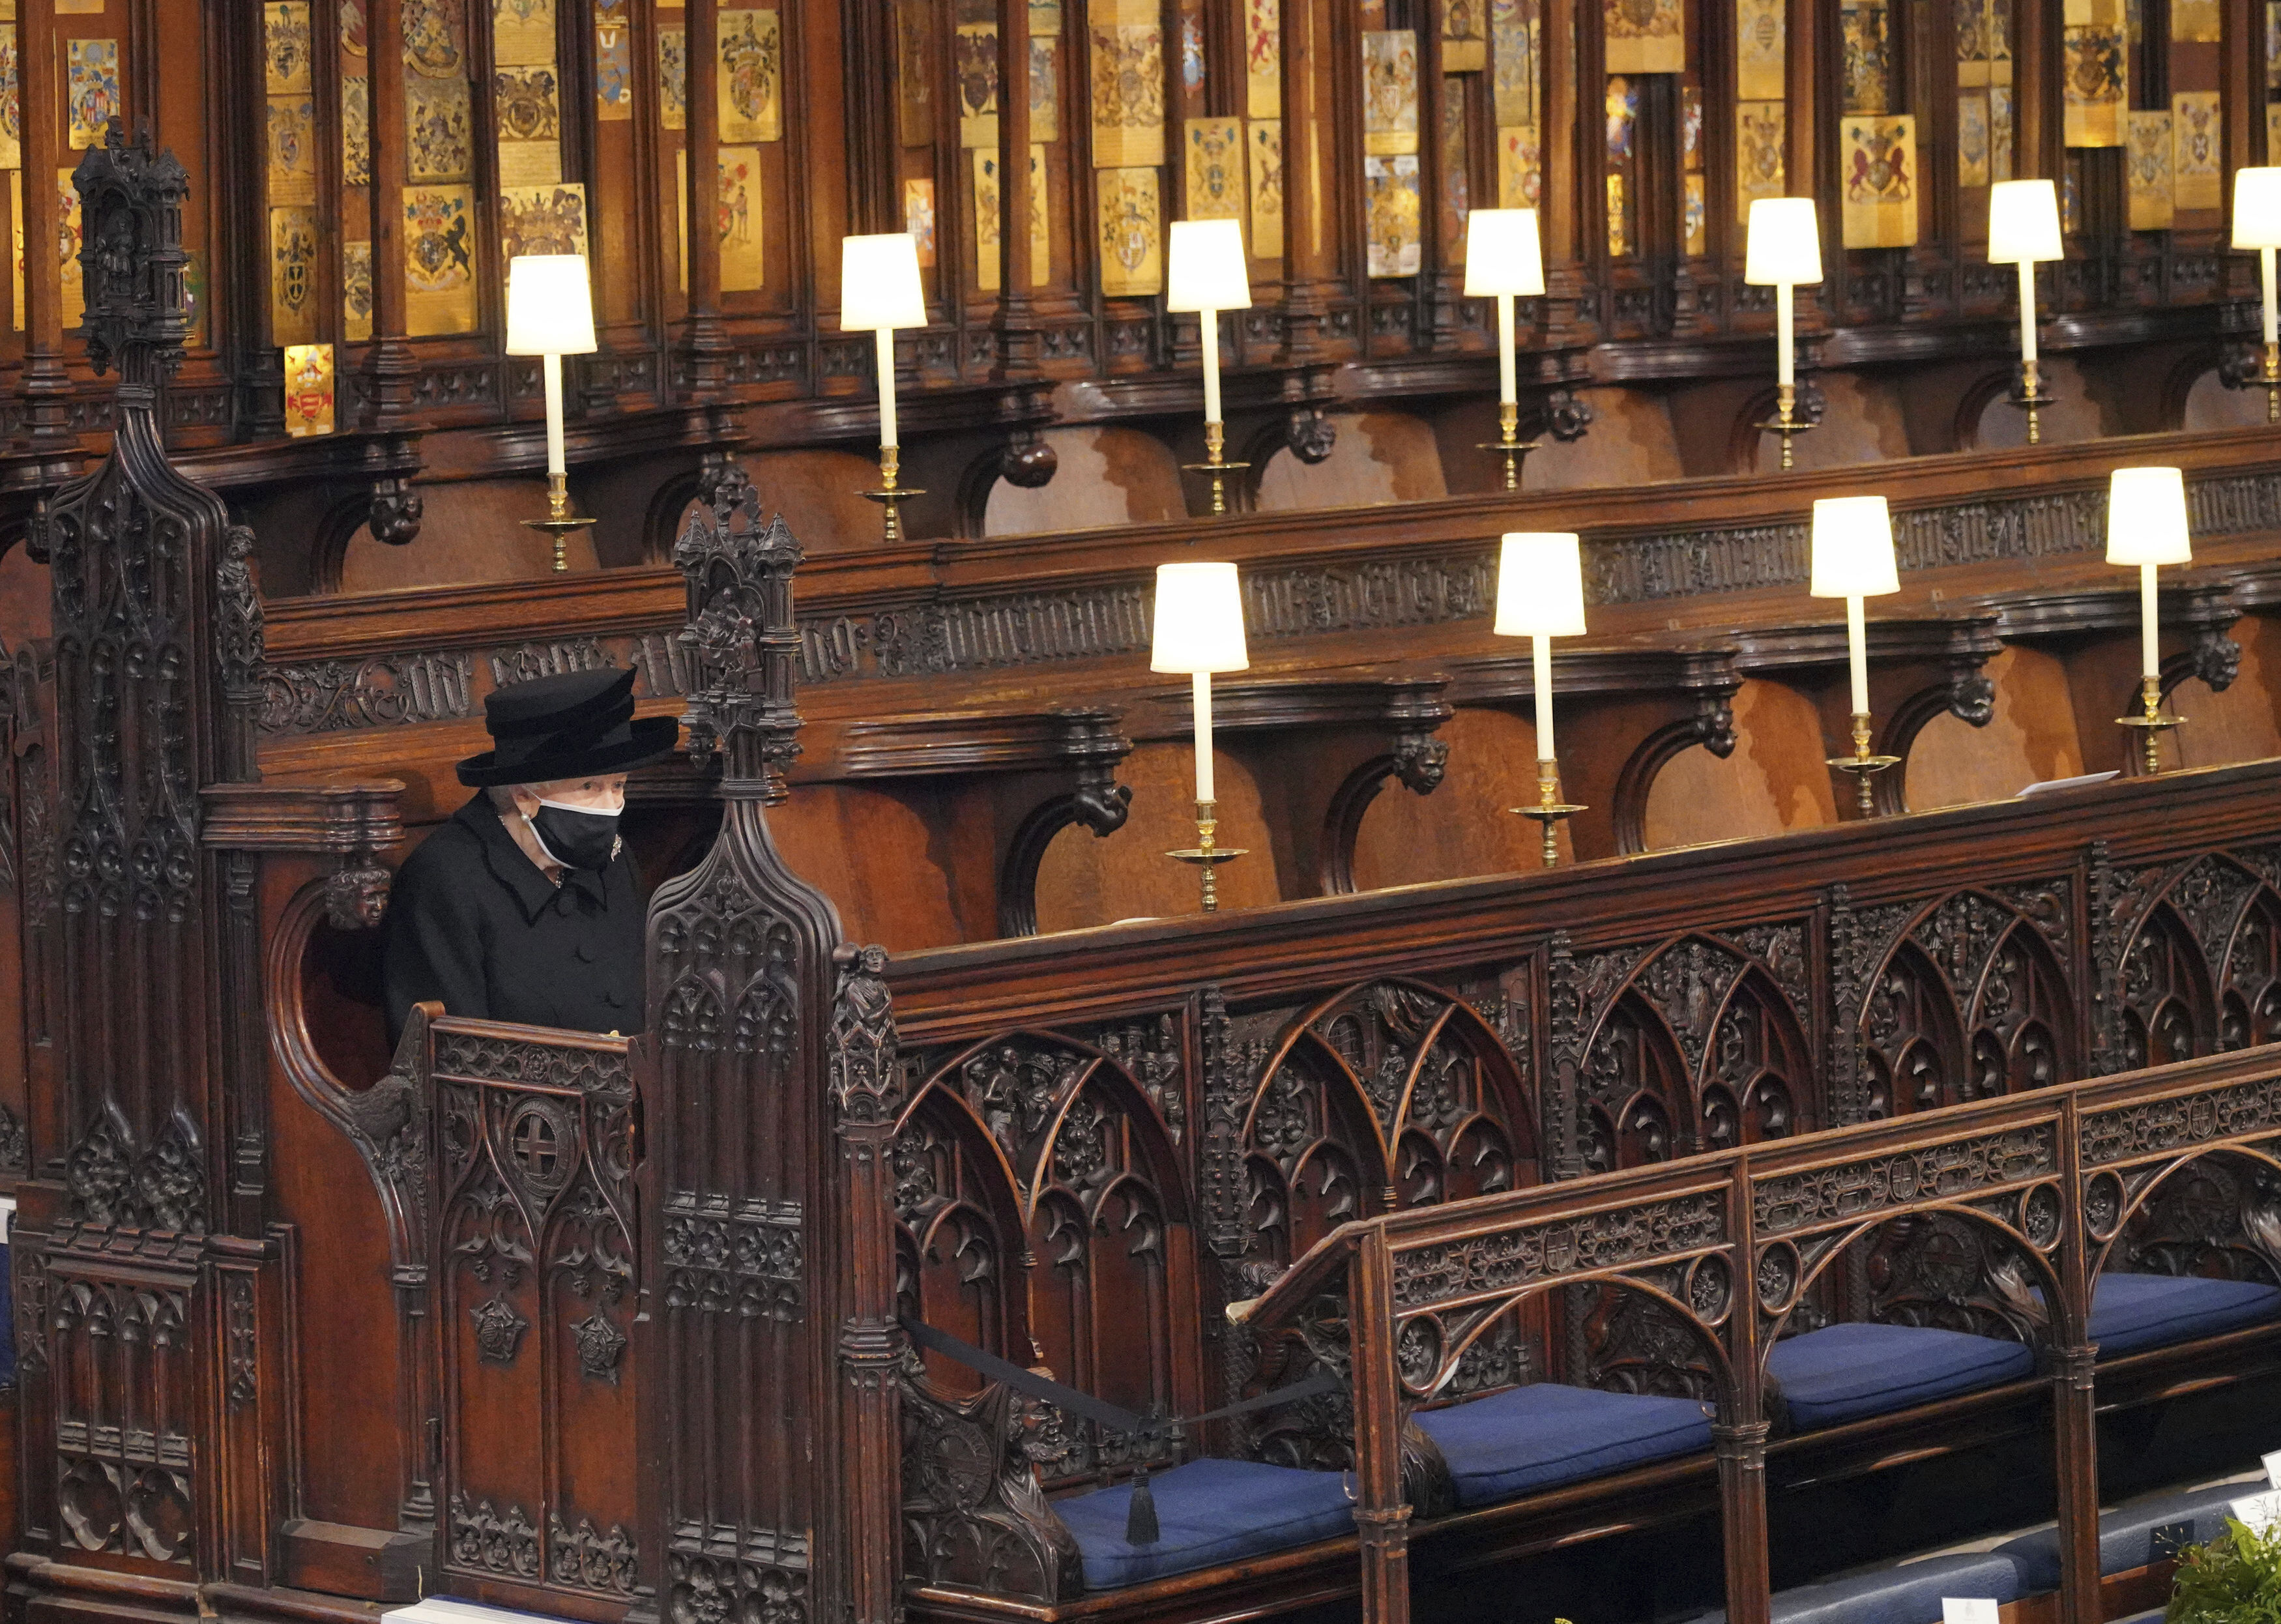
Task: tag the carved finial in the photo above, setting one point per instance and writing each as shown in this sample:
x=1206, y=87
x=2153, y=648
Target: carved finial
x=131, y=256
x=744, y=646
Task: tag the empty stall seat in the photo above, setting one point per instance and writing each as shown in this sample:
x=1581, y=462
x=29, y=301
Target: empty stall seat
x=1535, y=1437
x=1208, y=1511
x=1910, y=1593
x=1843, y=1372
x=2130, y=1312
x=2126, y=1534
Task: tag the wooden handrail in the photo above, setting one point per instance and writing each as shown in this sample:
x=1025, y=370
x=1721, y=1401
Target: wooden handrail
x=2053, y=1176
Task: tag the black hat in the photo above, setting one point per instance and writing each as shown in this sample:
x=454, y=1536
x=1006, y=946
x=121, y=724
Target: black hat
x=567, y=727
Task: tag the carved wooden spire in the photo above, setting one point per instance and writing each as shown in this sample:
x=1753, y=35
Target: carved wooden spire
x=131, y=257
x=744, y=646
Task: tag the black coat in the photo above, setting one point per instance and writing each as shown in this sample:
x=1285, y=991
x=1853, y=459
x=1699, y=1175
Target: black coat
x=475, y=926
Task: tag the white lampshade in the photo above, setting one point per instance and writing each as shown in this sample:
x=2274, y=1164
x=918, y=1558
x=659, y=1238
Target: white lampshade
x=1540, y=585
x=1785, y=248
x=880, y=282
x=2146, y=518
x=1207, y=268
x=2257, y=208
x=1854, y=548
x=1503, y=253
x=1199, y=620
x=2023, y=222
x=550, y=306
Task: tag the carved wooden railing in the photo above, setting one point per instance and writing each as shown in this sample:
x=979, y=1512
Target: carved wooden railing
x=1132, y=1126
x=2057, y=1185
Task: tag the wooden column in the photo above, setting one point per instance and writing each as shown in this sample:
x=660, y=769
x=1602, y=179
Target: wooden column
x=1802, y=78
x=868, y=1094
x=1738, y=1438
x=1018, y=344
x=1382, y=1516
x=704, y=337
x=1560, y=200
x=390, y=371
x=2036, y=151
x=868, y=45
x=2241, y=73
x=45, y=381
x=2075, y=1423
x=1310, y=210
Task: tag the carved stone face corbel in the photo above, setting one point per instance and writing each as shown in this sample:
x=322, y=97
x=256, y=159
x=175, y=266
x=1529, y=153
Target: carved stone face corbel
x=396, y=512
x=1565, y=417
x=356, y=892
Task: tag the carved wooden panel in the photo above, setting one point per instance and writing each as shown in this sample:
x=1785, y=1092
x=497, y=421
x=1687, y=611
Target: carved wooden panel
x=122, y=1375
x=1045, y=1211
x=534, y=1285
x=1971, y=1002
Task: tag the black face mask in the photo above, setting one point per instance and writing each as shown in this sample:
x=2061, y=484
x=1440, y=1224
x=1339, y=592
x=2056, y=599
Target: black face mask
x=576, y=838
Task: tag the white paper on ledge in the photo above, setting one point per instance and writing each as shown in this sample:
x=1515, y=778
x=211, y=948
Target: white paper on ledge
x=2049, y=784
x=451, y=1610
x=1966, y=1610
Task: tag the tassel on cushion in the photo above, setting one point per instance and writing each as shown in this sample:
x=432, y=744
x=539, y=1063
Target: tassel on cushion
x=1141, y=1518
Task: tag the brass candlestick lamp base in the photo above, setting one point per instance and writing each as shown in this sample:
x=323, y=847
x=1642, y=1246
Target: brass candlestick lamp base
x=1509, y=445
x=560, y=522
x=2151, y=723
x=1219, y=468
x=2269, y=380
x=2031, y=398
x=1207, y=856
x=889, y=496
x=1861, y=766
x=1550, y=810
x=1786, y=421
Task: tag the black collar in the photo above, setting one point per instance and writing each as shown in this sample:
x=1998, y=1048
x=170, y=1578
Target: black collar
x=512, y=866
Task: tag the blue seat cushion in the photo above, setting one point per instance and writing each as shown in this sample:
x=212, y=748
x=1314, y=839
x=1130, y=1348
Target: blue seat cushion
x=1845, y=1372
x=2133, y=1312
x=1535, y=1437
x=2126, y=1534
x=1208, y=1511
x=1909, y=1594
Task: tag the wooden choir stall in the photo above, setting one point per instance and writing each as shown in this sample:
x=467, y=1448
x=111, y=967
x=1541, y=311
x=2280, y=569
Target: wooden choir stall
x=1064, y=1172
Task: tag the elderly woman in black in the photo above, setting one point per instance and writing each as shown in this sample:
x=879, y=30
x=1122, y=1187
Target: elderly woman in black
x=525, y=907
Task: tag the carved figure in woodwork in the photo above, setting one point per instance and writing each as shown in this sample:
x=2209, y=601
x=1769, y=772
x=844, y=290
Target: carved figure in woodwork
x=525, y=907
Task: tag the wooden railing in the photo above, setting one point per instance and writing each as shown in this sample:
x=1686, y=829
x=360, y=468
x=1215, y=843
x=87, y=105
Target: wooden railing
x=1729, y=1245
x=1253, y=1078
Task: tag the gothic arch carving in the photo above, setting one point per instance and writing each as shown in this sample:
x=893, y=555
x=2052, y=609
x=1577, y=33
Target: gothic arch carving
x=2216, y=1214
x=1389, y=1093
x=1969, y=1002
x=1701, y=1048
x=2198, y=971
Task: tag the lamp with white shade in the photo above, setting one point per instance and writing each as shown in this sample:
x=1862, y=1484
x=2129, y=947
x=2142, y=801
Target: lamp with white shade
x=1206, y=275
x=880, y=291
x=1853, y=559
x=550, y=313
x=2023, y=227
x=1540, y=597
x=1199, y=629
x=1784, y=252
x=2146, y=526
x=2257, y=224
x=1504, y=260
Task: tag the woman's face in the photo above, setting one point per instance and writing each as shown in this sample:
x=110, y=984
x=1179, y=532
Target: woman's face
x=602, y=792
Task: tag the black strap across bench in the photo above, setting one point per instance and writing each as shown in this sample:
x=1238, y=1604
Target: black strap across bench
x=1140, y=1521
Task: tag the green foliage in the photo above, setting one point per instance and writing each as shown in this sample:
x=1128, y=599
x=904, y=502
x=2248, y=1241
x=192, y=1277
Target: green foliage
x=2235, y=1578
